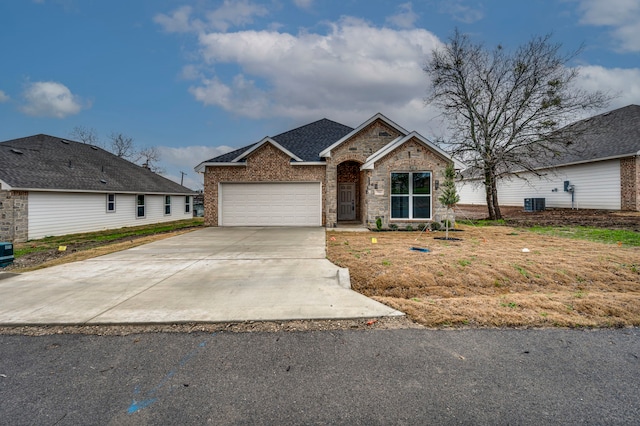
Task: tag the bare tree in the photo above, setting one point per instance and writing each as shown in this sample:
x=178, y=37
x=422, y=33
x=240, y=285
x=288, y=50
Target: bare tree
x=122, y=146
x=149, y=158
x=86, y=135
x=504, y=108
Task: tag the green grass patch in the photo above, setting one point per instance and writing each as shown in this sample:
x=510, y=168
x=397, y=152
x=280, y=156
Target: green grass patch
x=600, y=235
x=102, y=237
x=522, y=271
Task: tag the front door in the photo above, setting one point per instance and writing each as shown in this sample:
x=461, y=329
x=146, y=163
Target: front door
x=347, y=201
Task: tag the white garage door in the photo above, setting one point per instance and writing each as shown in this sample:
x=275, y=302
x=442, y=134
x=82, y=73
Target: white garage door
x=271, y=204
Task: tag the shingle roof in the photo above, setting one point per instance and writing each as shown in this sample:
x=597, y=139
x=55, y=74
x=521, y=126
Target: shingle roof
x=306, y=141
x=611, y=134
x=50, y=163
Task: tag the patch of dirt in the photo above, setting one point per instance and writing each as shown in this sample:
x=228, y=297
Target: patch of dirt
x=386, y=323
x=495, y=276
x=517, y=217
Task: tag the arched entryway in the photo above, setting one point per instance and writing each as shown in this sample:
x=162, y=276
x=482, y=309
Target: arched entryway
x=349, y=192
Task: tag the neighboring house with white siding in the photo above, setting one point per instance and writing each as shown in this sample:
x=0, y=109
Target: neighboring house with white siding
x=603, y=172
x=54, y=186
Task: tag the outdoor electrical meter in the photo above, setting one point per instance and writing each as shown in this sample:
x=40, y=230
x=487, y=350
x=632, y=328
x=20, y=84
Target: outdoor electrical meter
x=6, y=254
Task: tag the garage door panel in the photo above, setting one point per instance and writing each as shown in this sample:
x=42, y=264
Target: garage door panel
x=271, y=204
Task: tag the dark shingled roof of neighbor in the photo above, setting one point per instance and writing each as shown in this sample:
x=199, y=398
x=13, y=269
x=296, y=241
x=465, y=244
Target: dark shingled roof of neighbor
x=53, y=163
x=611, y=134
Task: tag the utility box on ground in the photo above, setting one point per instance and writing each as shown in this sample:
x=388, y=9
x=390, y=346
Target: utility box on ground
x=6, y=254
x=534, y=204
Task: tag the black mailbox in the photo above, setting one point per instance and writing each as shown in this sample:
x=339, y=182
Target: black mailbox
x=6, y=254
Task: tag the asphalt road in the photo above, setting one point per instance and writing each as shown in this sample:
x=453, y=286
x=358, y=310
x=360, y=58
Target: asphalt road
x=338, y=377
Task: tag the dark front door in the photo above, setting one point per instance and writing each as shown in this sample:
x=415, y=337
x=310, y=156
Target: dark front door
x=347, y=201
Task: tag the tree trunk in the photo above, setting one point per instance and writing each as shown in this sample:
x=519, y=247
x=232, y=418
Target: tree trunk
x=496, y=207
x=491, y=193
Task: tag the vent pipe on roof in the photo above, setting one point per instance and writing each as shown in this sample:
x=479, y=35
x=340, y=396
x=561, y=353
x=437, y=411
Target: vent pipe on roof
x=16, y=151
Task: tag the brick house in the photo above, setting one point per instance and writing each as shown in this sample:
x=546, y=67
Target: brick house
x=602, y=170
x=326, y=173
x=54, y=186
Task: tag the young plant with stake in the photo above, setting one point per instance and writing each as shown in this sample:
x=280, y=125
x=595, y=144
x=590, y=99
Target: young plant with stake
x=449, y=197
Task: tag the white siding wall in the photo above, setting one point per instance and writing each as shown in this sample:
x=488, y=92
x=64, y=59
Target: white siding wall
x=60, y=213
x=597, y=186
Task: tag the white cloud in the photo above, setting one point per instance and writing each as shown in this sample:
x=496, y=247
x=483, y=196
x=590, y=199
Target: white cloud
x=405, y=18
x=303, y=4
x=234, y=13
x=622, y=15
x=348, y=74
x=620, y=82
x=184, y=159
x=50, y=99
x=460, y=12
x=179, y=21
x=4, y=97
x=229, y=14
x=187, y=157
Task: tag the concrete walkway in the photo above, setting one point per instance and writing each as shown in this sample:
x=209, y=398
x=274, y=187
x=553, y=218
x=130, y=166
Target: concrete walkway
x=209, y=275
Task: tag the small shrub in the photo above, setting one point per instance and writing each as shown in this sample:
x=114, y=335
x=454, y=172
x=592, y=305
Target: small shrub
x=447, y=223
x=379, y=224
x=435, y=226
x=422, y=226
x=409, y=228
x=393, y=227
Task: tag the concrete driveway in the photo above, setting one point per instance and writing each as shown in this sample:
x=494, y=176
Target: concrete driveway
x=209, y=275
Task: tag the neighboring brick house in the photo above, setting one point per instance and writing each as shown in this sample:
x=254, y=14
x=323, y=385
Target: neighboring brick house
x=602, y=169
x=53, y=186
x=326, y=173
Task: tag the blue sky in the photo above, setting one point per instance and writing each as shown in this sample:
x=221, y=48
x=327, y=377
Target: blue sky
x=198, y=78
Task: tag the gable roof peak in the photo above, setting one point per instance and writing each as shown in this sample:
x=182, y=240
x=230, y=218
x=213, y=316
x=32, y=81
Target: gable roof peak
x=378, y=116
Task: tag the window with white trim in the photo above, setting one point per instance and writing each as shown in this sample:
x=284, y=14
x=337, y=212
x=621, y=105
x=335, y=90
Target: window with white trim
x=187, y=204
x=140, y=206
x=111, y=203
x=167, y=205
x=411, y=195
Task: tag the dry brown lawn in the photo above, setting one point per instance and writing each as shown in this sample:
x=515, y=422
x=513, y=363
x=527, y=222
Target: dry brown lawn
x=487, y=280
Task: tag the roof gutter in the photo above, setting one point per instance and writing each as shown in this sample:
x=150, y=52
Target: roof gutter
x=105, y=191
x=200, y=168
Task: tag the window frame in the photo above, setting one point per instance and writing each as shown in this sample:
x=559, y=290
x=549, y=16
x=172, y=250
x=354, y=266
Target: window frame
x=167, y=205
x=142, y=206
x=187, y=203
x=111, y=203
x=411, y=196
